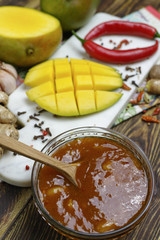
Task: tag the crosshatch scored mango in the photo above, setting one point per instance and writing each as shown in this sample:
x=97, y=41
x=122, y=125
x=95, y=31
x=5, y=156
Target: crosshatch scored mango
x=61, y=86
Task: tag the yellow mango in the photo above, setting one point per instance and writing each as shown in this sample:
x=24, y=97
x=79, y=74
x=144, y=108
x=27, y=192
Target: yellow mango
x=42, y=65
x=64, y=84
x=103, y=72
x=105, y=99
x=79, y=87
x=48, y=103
x=86, y=101
x=40, y=75
x=80, y=69
x=41, y=90
x=55, y=190
x=61, y=61
x=95, y=64
x=78, y=61
x=66, y=104
x=106, y=83
x=83, y=82
x=27, y=36
x=62, y=70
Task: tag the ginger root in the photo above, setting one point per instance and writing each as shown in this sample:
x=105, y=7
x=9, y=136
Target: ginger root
x=7, y=120
x=8, y=130
x=3, y=98
x=6, y=116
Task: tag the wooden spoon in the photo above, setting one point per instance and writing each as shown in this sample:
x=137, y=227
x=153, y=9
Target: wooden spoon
x=68, y=170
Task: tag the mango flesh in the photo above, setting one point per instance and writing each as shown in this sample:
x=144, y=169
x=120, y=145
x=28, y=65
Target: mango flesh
x=70, y=88
x=27, y=36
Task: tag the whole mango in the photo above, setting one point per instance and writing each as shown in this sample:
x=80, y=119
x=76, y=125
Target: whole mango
x=27, y=36
x=72, y=88
x=72, y=14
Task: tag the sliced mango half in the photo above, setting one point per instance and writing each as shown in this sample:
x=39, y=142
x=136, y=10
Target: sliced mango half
x=73, y=87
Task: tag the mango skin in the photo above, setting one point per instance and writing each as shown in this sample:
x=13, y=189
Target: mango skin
x=28, y=51
x=72, y=14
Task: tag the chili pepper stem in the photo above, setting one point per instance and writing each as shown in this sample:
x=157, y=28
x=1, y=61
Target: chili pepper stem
x=80, y=39
x=157, y=35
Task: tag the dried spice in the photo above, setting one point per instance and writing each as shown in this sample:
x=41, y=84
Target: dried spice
x=139, y=97
x=134, y=102
x=156, y=111
x=20, y=113
x=125, y=41
x=27, y=167
x=39, y=136
x=128, y=68
x=134, y=83
x=148, y=118
x=34, y=118
x=125, y=87
x=129, y=76
x=37, y=126
x=48, y=131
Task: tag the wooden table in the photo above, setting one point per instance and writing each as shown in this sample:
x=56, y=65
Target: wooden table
x=19, y=218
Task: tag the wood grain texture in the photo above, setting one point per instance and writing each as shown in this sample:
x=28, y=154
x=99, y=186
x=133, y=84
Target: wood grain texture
x=19, y=218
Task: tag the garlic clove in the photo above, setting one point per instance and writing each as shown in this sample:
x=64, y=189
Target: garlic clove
x=9, y=68
x=7, y=82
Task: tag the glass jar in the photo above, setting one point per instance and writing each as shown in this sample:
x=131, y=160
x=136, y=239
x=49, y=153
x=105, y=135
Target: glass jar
x=83, y=132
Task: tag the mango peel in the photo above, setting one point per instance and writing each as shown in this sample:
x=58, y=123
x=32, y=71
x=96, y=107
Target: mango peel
x=27, y=36
x=73, y=87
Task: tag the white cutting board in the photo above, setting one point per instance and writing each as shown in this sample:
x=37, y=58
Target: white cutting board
x=13, y=168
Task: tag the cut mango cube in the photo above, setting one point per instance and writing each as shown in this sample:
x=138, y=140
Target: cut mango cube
x=64, y=84
x=48, y=103
x=83, y=82
x=80, y=69
x=103, y=72
x=105, y=99
x=73, y=87
x=95, y=64
x=40, y=91
x=44, y=64
x=78, y=61
x=106, y=83
x=66, y=104
x=40, y=75
x=62, y=70
x=86, y=101
x=61, y=61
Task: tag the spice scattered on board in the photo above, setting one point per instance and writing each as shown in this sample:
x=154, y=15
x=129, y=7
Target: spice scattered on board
x=148, y=118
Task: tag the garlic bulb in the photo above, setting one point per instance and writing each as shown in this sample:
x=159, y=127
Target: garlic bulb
x=9, y=68
x=8, y=77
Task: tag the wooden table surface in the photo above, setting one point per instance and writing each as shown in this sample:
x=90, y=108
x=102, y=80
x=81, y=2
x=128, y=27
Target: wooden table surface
x=19, y=218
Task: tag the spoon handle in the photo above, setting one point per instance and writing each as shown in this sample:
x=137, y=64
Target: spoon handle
x=68, y=170
x=27, y=151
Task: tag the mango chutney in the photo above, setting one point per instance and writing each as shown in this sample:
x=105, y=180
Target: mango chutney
x=113, y=186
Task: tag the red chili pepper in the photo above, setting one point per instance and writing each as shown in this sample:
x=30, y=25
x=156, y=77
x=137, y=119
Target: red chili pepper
x=139, y=97
x=156, y=111
x=125, y=87
x=119, y=27
x=117, y=56
x=150, y=119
